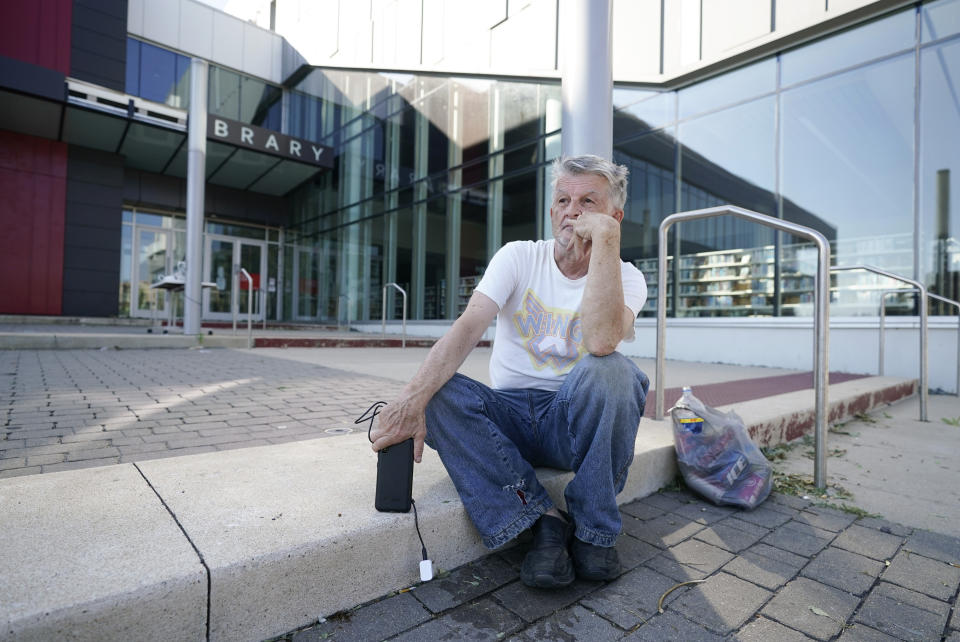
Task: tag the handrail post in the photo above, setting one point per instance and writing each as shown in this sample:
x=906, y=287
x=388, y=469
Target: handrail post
x=883, y=325
x=820, y=322
x=955, y=304
x=924, y=392
x=235, y=285
x=249, y=308
x=383, y=315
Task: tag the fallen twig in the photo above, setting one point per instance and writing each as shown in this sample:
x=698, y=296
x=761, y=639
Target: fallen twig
x=671, y=590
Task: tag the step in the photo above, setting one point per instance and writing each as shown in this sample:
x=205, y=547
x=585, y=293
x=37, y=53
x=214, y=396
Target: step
x=252, y=543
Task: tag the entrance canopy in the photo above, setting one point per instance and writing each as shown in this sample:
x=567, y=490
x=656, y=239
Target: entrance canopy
x=152, y=137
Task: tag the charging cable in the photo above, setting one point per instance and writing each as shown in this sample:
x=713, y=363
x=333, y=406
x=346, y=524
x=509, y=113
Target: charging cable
x=426, y=566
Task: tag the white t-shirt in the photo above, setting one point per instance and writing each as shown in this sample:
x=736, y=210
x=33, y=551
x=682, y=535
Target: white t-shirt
x=539, y=338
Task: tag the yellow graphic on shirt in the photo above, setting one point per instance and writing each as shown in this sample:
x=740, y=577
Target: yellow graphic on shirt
x=553, y=336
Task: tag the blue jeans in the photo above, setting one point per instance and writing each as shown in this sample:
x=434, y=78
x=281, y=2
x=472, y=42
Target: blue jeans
x=490, y=440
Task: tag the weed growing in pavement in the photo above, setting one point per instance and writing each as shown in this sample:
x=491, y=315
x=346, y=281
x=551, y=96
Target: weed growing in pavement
x=951, y=421
x=853, y=510
x=802, y=486
x=676, y=486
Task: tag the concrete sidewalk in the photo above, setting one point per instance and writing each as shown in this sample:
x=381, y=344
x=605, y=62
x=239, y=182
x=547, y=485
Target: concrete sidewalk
x=269, y=536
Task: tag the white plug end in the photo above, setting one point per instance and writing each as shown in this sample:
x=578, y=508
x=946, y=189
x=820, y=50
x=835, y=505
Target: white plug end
x=426, y=571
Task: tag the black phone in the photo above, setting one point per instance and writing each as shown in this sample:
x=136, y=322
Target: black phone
x=395, y=478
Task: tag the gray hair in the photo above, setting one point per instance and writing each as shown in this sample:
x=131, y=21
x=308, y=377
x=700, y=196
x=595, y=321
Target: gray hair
x=616, y=175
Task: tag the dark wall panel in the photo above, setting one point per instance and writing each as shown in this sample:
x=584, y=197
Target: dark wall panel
x=33, y=175
x=37, y=31
x=91, y=258
x=143, y=189
x=98, y=48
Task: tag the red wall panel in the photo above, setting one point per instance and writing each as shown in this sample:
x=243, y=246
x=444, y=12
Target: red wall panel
x=37, y=31
x=33, y=185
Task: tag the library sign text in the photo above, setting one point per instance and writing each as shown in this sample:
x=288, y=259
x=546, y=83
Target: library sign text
x=269, y=142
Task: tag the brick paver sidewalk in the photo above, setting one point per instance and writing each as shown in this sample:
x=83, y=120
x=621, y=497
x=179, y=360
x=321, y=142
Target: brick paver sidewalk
x=788, y=570
x=67, y=409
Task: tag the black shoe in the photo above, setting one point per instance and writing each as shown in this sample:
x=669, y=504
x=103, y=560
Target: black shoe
x=595, y=562
x=548, y=564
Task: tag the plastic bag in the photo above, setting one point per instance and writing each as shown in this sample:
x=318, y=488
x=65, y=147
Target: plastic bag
x=716, y=456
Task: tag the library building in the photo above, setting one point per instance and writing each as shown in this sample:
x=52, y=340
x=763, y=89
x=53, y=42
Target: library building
x=348, y=147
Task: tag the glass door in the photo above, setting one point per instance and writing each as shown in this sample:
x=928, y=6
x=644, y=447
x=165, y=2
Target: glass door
x=219, y=260
x=306, y=276
x=224, y=256
x=252, y=258
x=153, y=259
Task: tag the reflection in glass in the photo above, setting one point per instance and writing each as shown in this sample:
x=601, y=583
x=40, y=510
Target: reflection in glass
x=849, y=48
x=221, y=273
x=520, y=208
x=250, y=260
x=726, y=262
x=646, y=115
x=624, y=96
x=223, y=88
x=126, y=267
x=157, y=74
x=652, y=197
x=243, y=98
x=847, y=168
x=940, y=172
x=939, y=20
x=152, y=265
x=732, y=87
x=132, y=83
x=728, y=158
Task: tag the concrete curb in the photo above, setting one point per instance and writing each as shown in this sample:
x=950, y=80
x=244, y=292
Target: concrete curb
x=93, y=341
x=280, y=534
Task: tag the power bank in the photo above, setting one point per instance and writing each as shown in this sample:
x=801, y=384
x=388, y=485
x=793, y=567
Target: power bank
x=395, y=478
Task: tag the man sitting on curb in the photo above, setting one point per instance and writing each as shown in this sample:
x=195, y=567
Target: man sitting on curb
x=561, y=396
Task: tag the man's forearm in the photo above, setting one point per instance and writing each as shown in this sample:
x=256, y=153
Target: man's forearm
x=601, y=310
x=449, y=353
x=442, y=362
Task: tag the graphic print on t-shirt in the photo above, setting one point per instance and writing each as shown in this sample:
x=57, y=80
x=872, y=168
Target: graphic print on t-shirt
x=553, y=336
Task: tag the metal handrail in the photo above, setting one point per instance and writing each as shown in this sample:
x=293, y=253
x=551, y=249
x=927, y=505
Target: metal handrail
x=883, y=324
x=383, y=315
x=924, y=393
x=820, y=323
x=955, y=304
x=246, y=274
x=883, y=306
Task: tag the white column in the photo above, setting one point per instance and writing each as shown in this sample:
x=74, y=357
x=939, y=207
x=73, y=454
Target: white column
x=196, y=183
x=454, y=203
x=586, y=86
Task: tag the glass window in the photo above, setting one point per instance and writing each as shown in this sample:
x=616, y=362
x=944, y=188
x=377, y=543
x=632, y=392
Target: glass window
x=227, y=229
x=939, y=20
x=847, y=166
x=133, y=67
x=164, y=76
x=304, y=116
x=126, y=267
x=849, y=48
x=624, y=96
x=259, y=103
x=652, y=190
x=940, y=172
x=224, y=93
x=520, y=208
x=732, y=87
x=520, y=112
x=652, y=113
x=729, y=157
